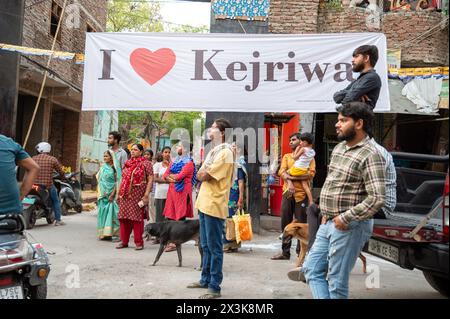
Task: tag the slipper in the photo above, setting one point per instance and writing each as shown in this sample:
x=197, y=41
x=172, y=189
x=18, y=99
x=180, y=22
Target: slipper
x=121, y=245
x=139, y=248
x=196, y=285
x=170, y=247
x=210, y=295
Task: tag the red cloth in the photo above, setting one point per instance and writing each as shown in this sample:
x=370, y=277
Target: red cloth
x=134, y=173
x=179, y=204
x=126, y=226
x=128, y=205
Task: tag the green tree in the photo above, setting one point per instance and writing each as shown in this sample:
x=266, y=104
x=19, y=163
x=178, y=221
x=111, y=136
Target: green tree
x=141, y=16
x=133, y=16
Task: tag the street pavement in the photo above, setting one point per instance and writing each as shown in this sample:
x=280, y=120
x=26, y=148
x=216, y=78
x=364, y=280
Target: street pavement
x=84, y=267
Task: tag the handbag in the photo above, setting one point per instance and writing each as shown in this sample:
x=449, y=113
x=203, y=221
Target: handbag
x=243, y=226
x=230, y=230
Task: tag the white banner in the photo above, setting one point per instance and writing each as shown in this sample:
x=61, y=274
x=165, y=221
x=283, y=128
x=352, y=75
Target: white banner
x=223, y=72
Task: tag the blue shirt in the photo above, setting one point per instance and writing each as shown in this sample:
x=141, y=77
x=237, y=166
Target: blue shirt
x=10, y=154
x=391, y=179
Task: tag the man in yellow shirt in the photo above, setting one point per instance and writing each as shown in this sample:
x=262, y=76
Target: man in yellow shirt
x=216, y=175
x=294, y=201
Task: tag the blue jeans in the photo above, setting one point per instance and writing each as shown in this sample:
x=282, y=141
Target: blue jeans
x=56, y=203
x=335, y=251
x=211, y=229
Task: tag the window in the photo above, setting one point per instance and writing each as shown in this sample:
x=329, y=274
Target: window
x=55, y=17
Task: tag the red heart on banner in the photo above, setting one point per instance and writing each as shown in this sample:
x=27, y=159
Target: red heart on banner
x=152, y=66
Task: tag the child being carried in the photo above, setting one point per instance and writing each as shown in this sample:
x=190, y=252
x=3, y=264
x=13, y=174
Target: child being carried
x=303, y=155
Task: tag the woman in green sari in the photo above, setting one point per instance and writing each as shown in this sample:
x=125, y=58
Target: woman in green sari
x=108, y=179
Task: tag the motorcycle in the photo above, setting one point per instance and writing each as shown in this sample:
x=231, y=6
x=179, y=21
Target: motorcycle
x=69, y=193
x=37, y=204
x=24, y=266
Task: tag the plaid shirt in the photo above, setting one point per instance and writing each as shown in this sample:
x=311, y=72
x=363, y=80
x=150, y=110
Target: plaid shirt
x=391, y=179
x=47, y=164
x=355, y=184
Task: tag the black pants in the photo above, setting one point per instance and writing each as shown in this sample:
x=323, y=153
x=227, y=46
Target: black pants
x=290, y=210
x=313, y=213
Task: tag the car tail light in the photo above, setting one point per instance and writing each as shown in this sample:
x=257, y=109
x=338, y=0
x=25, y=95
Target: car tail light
x=445, y=209
x=7, y=281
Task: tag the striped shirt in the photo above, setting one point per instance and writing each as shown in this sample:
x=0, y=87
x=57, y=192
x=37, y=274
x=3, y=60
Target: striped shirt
x=391, y=179
x=355, y=184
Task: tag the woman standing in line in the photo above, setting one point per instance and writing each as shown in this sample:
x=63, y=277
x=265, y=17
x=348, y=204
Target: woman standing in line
x=136, y=185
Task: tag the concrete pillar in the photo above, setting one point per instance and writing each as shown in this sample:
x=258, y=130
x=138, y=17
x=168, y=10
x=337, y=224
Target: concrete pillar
x=11, y=19
x=246, y=120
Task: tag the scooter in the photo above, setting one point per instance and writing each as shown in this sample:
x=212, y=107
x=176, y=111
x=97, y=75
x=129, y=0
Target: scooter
x=24, y=266
x=37, y=204
x=69, y=193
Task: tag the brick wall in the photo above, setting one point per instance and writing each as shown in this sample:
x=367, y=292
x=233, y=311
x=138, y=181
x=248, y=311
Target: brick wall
x=87, y=122
x=313, y=17
x=36, y=32
x=293, y=16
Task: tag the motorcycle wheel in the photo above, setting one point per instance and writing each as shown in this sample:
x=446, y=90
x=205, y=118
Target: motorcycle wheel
x=64, y=208
x=29, y=215
x=79, y=209
x=39, y=292
x=51, y=218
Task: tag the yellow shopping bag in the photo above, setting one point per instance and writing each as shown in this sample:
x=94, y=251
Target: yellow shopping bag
x=243, y=226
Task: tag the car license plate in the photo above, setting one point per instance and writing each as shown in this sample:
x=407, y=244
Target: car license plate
x=14, y=292
x=382, y=249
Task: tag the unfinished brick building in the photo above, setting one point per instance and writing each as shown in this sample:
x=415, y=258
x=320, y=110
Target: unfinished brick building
x=59, y=119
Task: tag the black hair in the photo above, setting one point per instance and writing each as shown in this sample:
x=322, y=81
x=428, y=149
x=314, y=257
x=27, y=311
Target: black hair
x=111, y=156
x=294, y=134
x=139, y=146
x=359, y=111
x=159, y=157
x=127, y=151
x=149, y=151
x=370, y=50
x=222, y=124
x=166, y=148
x=116, y=135
x=308, y=137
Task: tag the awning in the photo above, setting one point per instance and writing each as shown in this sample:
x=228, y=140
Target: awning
x=399, y=103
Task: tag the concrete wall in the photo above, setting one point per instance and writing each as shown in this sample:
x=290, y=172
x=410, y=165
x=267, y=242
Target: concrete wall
x=11, y=19
x=95, y=127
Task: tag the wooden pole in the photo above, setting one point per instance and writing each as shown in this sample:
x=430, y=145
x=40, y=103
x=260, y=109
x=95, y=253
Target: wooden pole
x=45, y=77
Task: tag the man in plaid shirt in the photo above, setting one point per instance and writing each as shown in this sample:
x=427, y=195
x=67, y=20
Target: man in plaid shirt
x=49, y=164
x=353, y=192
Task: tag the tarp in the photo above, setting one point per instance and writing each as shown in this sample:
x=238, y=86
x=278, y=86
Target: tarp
x=223, y=72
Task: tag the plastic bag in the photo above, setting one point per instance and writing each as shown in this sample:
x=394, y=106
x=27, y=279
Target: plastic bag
x=243, y=226
x=230, y=233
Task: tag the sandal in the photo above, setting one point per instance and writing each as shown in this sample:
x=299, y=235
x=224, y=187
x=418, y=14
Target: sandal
x=170, y=247
x=210, y=295
x=139, y=248
x=121, y=245
x=196, y=285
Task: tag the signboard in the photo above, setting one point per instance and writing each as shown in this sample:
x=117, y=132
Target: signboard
x=223, y=72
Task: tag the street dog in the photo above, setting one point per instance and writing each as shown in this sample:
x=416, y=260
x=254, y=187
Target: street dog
x=176, y=232
x=300, y=232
